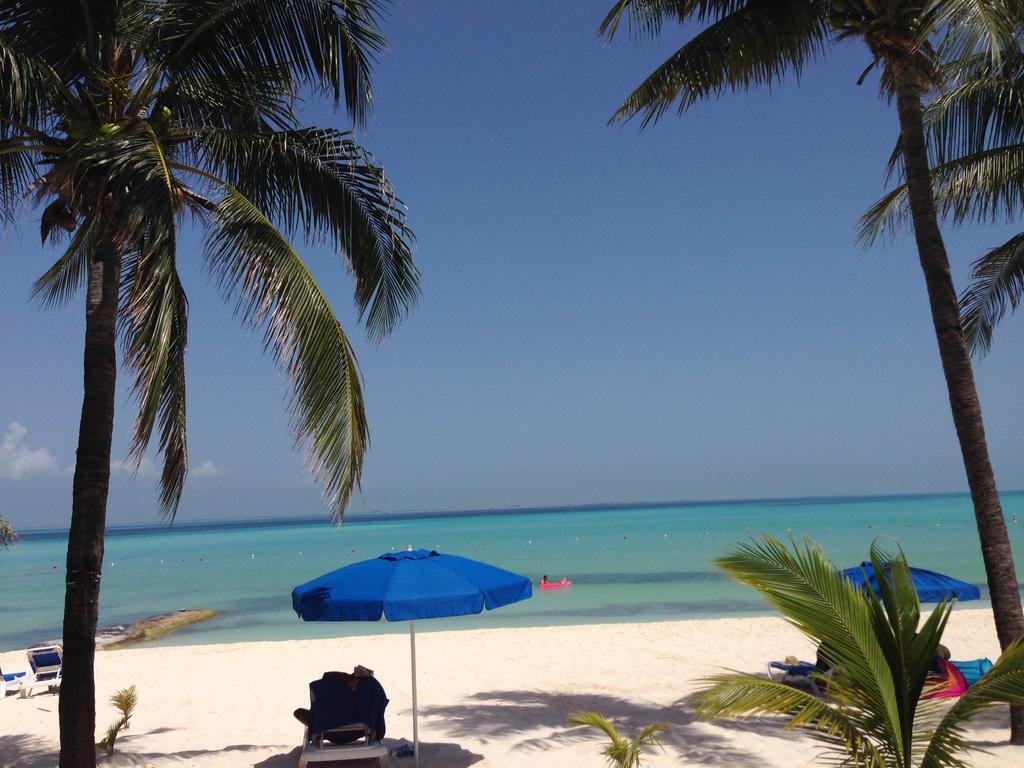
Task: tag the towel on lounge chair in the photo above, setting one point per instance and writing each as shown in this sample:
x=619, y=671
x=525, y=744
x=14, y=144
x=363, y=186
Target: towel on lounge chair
x=348, y=711
x=799, y=669
x=794, y=671
x=951, y=684
x=338, y=699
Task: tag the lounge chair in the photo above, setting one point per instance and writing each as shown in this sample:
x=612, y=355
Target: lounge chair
x=973, y=670
x=793, y=672
x=45, y=664
x=346, y=720
x=10, y=682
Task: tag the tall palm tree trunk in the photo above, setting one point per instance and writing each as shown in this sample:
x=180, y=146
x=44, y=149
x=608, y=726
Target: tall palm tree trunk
x=88, y=514
x=956, y=364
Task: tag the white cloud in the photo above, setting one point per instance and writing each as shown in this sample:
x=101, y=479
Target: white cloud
x=18, y=461
x=206, y=469
x=146, y=468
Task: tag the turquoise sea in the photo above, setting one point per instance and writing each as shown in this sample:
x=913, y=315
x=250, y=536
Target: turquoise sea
x=627, y=563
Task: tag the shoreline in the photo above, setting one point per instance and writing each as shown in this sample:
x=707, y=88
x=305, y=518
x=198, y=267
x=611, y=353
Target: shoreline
x=488, y=697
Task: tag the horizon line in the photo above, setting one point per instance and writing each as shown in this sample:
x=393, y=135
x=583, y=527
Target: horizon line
x=409, y=514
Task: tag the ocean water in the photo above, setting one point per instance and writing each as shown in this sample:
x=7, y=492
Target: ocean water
x=629, y=563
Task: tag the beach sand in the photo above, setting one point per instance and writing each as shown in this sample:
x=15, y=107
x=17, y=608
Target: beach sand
x=495, y=697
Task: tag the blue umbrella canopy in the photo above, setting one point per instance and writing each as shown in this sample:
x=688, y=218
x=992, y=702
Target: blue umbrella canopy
x=405, y=586
x=931, y=587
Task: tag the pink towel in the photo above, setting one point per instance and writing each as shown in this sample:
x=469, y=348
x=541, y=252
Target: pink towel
x=951, y=685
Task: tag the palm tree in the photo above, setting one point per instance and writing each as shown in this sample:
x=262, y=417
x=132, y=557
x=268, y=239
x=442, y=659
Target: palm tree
x=620, y=752
x=123, y=119
x=745, y=43
x=7, y=534
x=874, y=717
x=976, y=130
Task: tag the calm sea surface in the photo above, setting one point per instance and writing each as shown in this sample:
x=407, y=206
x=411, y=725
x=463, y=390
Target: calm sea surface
x=639, y=563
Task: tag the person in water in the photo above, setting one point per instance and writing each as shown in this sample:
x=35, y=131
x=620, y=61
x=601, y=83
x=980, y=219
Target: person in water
x=544, y=579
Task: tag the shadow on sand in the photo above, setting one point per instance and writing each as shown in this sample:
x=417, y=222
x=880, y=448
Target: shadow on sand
x=493, y=714
x=21, y=750
x=432, y=755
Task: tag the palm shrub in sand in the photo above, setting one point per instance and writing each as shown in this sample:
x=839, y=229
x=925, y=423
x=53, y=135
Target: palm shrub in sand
x=124, y=701
x=874, y=716
x=620, y=751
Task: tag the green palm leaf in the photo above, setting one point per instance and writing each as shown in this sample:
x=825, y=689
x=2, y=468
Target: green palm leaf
x=620, y=752
x=740, y=695
x=67, y=275
x=321, y=185
x=746, y=44
x=273, y=291
x=998, y=285
x=330, y=42
x=154, y=332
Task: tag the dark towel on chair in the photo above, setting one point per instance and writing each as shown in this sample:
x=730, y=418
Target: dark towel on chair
x=337, y=700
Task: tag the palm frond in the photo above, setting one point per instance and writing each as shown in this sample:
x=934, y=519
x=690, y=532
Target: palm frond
x=983, y=186
x=69, y=273
x=252, y=99
x=17, y=171
x=620, y=751
x=598, y=721
x=805, y=586
x=974, y=27
x=154, y=331
x=748, y=44
x=25, y=89
x=329, y=42
x=997, y=286
x=55, y=31
x=320, y=184
x=984, y=109
x=647, y=18
x=741, y=695
x=257, y=268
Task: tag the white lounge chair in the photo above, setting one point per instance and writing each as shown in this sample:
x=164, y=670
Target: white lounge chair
x=315, y=749
x=45, y=664
x=10, y=682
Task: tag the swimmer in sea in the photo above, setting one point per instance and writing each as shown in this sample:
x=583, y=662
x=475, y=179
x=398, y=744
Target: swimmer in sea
x=544, y=579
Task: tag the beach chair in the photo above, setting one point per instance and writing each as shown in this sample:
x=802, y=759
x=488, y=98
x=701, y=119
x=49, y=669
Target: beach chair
x=346, y=720
x=10, y=682
x=45, y=664
x=973, y=670
x=795, y=673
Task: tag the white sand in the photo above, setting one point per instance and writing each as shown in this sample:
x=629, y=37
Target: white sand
x=497, y=697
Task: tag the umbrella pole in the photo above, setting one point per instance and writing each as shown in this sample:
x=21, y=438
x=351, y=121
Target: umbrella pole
x=415, y=729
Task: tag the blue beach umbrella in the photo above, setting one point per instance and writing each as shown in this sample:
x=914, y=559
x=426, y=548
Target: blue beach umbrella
x=406, y=586
x=931, y=587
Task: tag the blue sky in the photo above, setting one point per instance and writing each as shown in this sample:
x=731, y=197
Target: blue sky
x=607, y=313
